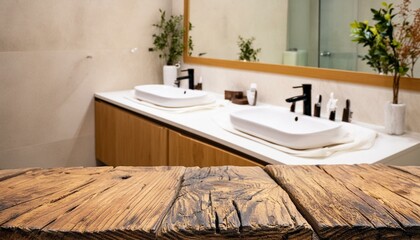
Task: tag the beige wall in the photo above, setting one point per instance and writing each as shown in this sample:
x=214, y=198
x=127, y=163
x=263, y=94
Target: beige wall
x=54, y=54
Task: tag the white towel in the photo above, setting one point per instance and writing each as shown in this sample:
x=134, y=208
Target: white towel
x=363, y=138
x=215, y=104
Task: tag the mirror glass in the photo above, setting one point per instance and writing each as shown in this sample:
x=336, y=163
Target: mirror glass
x=314, y=33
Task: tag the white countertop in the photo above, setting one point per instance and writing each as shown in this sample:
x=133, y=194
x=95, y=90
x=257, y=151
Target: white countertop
x=387, y=149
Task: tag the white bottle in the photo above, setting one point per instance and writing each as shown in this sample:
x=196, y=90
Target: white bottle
x=251, y=94
x=331, y=107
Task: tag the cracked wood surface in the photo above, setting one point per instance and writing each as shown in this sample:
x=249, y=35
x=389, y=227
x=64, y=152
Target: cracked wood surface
x=9, y=173
x=360, y=201
x=87, y=203
x=339, y=202
x=233, y=202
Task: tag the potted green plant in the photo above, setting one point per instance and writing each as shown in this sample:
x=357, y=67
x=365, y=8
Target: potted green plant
x=169, y=43
x=247, y=51
x=393, y=44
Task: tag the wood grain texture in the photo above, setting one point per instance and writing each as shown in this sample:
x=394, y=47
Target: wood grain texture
x=189, y=152
x=140, y=142
x=126, y=139
x=233, y=202
x=91, y=203
x=8, y=173
x=354, y=202
x=105, y=133
x=339, y=202
x=414, y=170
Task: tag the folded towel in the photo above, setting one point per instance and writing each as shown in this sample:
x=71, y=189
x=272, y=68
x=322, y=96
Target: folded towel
x=362, y=138
x=215, y=104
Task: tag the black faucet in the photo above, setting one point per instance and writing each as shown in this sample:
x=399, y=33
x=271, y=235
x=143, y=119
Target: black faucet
x=190, y=78
x=306, y=97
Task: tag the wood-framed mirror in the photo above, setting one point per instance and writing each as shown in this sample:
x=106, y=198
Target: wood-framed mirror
x=372, y=79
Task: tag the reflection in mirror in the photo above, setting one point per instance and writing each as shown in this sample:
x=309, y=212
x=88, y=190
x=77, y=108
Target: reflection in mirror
x=219, y=23
x=300, y=32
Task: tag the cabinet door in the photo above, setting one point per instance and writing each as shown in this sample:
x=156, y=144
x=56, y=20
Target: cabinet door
x=105, y=133
x=125, y=139
x=140, y=142
x=185, y=151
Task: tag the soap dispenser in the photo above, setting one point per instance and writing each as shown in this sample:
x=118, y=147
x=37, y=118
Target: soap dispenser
x=332, y=107
x=251, y=94
x=347, y=113
x=199, y=85
x=317, y=107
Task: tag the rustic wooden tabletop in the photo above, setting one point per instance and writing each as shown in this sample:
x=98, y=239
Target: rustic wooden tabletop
x=277, y=202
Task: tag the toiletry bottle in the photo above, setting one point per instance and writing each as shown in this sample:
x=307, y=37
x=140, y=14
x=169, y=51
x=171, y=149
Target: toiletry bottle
x=331, y=107
x=317, y=107
x=251, y=94
x=347, y=113
x=199, y=85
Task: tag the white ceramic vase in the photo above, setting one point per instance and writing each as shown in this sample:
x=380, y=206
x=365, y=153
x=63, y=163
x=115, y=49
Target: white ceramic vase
x=170, y=73
x=395, y=118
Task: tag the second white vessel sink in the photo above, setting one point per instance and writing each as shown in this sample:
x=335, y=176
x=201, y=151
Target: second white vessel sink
x=168, y=96
x=282, y=127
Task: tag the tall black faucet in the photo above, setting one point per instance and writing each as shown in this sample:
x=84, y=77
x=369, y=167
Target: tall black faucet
x=190, y=78
x=306, y=97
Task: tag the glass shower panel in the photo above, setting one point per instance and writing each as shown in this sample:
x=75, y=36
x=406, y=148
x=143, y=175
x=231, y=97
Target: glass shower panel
x=302, y=29
x=337, y=51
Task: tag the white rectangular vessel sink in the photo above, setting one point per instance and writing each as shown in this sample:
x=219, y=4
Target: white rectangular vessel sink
x=168, y=96
x=279, y=126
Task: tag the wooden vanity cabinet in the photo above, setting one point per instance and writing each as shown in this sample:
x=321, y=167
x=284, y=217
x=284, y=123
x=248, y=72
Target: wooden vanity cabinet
x=189, y=152
x=124, y=138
